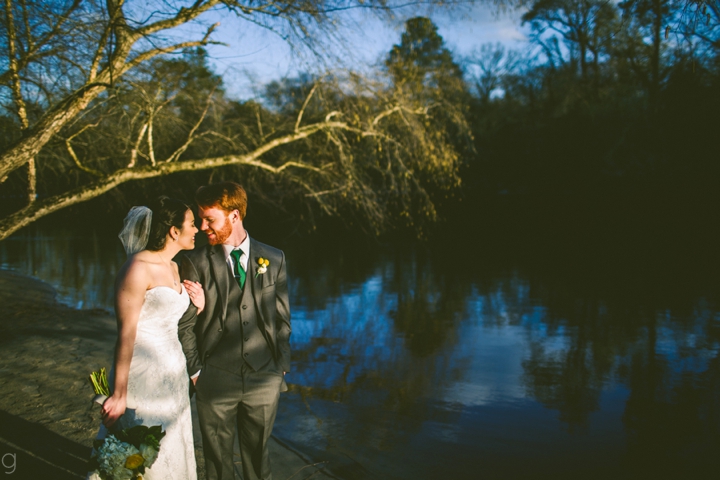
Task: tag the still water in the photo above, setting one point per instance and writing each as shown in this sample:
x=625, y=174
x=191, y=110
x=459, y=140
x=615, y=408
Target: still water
x=474, y=361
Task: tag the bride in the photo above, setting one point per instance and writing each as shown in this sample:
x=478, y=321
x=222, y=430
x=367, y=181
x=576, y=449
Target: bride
x=150, y=377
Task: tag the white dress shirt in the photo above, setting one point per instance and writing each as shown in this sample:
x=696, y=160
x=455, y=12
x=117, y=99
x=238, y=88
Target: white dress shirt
x=245, y=247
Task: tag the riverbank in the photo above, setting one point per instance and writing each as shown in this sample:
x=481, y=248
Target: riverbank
x=47, y=421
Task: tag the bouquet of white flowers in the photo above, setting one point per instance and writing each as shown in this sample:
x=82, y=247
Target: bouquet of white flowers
x=123, y=454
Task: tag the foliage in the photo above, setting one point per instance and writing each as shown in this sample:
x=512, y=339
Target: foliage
x=98, y=102
x=421, y=65
x=604, y=97
x=140, y=434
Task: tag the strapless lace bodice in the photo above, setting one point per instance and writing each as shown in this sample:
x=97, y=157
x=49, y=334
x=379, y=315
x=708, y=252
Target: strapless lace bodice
x=161, y=312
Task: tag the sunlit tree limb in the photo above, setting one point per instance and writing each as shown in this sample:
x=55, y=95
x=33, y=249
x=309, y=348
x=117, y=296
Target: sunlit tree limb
x=39, y=209
x=89, y=63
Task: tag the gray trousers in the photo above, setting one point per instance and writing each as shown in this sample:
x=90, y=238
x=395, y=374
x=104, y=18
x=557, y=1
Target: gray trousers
x=248, y=401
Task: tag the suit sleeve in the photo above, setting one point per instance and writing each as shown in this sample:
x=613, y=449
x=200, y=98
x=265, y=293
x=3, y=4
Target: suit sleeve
x=282, y=319
x=186, y=325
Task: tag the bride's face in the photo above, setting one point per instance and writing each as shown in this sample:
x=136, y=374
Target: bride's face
x=186, y=239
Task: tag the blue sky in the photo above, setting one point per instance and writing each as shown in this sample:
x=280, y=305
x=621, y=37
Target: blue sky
x=254, y=56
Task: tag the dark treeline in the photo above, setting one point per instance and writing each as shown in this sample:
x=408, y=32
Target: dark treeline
x=607, y=101
x=610, y=99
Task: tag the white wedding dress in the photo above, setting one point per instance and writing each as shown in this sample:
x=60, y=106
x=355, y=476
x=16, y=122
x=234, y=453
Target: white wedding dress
x=158, y=385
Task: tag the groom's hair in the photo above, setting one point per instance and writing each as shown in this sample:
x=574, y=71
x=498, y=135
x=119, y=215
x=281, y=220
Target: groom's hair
x=227, y=196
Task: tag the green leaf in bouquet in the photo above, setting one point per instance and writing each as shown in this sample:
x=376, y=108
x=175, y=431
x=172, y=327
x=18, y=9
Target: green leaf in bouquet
x=153, y=441
x=141, y=434
x=133, y=435
x=156, y=433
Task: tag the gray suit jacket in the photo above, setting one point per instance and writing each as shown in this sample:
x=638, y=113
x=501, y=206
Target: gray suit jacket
x=199, y=334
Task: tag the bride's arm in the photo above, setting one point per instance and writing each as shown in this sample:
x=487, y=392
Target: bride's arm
x=129, y=298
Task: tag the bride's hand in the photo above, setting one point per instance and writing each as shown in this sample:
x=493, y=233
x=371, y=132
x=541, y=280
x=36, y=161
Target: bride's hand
x=196, y=293
x=112, y=409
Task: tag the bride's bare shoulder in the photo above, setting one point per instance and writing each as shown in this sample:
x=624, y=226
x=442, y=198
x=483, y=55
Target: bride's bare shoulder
x=145, y=257
x=137, y=267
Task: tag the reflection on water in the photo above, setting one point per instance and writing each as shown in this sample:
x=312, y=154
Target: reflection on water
x=81, y=265
x=407, y=365
x=424, y=370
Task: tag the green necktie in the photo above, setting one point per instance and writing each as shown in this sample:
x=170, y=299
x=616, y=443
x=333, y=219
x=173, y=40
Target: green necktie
x=239, y=270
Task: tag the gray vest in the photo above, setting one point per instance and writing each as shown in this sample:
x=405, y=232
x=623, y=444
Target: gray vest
x=242, y=340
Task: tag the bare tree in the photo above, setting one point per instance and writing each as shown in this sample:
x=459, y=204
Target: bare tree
x=66, y=58
x=488, y=65
x=575, y=21
x=699, y=19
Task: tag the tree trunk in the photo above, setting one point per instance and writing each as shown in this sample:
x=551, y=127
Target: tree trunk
x=583, y=60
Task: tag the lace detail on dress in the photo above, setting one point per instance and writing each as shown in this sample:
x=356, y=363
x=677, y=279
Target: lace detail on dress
x=158, y=384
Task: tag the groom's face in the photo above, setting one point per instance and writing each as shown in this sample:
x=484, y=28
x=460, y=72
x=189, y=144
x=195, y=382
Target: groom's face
x=216, y=224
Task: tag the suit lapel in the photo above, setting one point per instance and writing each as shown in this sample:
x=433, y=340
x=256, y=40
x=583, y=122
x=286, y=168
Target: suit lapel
x=220, y=272
x=256, y=280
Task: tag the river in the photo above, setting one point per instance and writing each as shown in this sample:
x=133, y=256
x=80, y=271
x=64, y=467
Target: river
x=472, y=359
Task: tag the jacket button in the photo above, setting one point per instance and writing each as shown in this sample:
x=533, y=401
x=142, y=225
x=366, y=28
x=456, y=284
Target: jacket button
x=245, y=354
x=245, y=323
x=247, y=338
x=244, y=307
x=220, y=330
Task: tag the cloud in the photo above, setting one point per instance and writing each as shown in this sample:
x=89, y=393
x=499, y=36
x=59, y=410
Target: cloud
x=482, y=24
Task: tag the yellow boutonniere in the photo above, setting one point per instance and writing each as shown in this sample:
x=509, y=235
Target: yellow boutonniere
x=262, y=266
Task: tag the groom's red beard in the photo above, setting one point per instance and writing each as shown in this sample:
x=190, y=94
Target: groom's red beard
x=218, y=237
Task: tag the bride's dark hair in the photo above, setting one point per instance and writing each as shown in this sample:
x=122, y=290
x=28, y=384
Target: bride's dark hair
x=166, y=212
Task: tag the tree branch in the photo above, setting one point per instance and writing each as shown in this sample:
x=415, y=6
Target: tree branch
x=38, y=209
x=259, y=121
x=191, y=135
x=26, y=24
x=34, y=50
x=60, y=114
x=184, y=15
x=145, y=56
x=401, y=108
x=73, y=155
x=151, y=148
x=316, y=195
x=16, y=88
x=18, y=97
x=305, y=104
x=134, y=151
x=99, y=51
x=32, y=181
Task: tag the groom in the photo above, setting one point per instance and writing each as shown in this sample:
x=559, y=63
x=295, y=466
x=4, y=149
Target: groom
x=238, y=347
